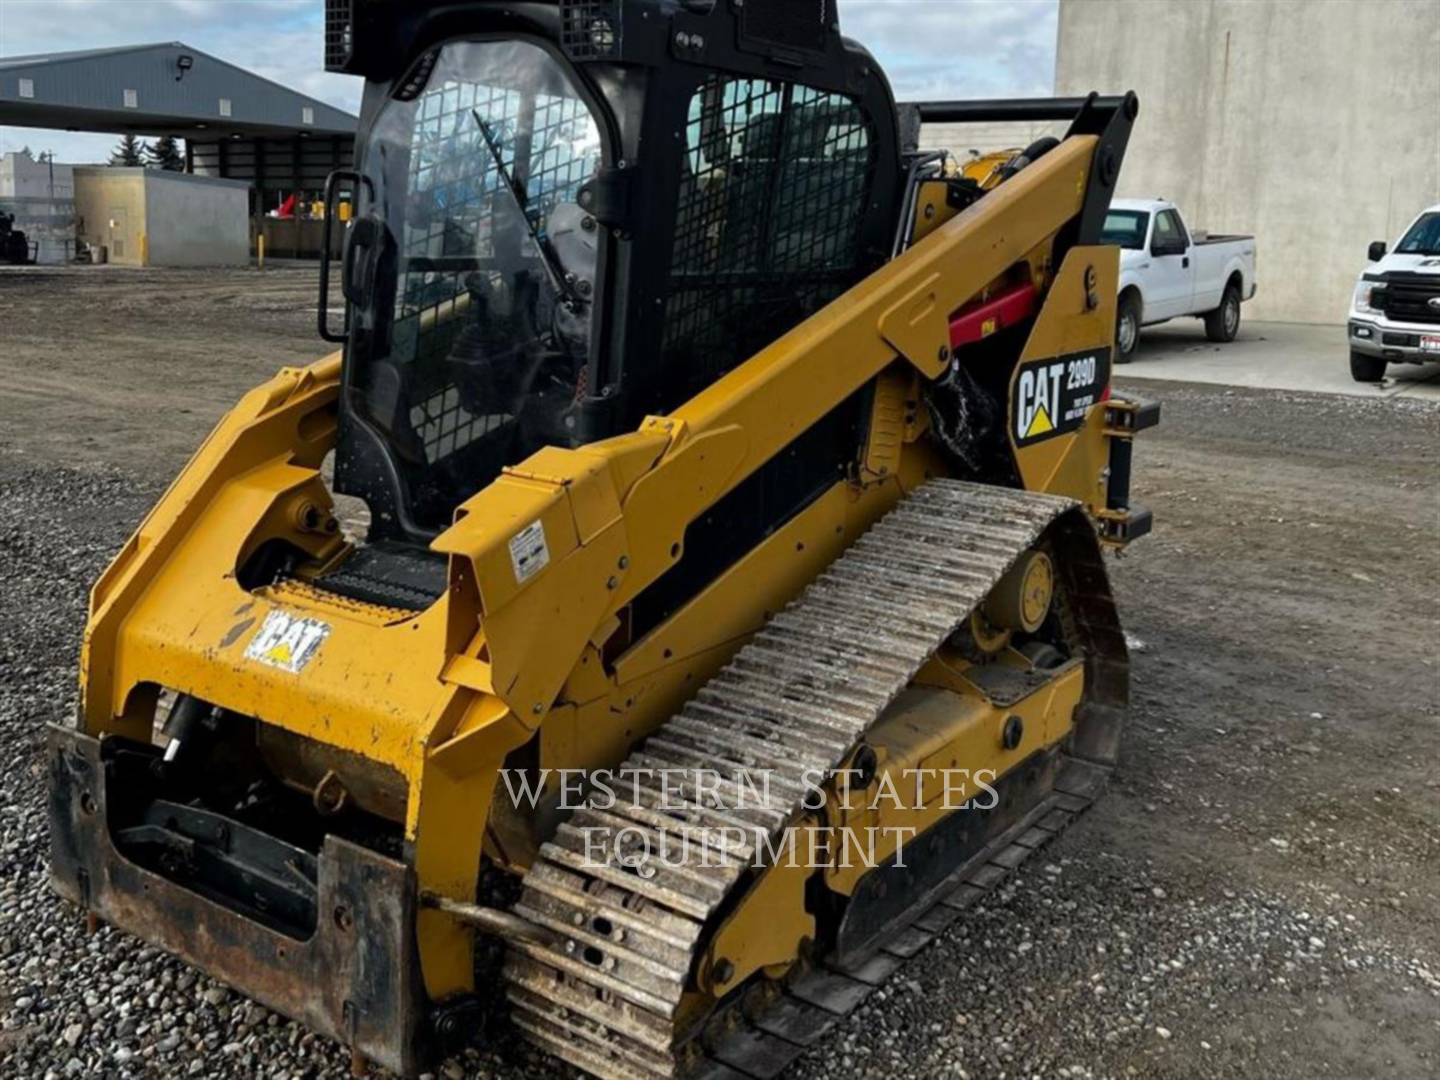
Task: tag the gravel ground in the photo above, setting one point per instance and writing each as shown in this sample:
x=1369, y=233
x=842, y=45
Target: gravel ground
x=1259, y=894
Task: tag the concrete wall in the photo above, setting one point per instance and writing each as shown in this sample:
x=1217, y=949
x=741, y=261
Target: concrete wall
x=22, y=177
x=148, y=217
x=194, y=221
x=110, y=211
x=1314, y=125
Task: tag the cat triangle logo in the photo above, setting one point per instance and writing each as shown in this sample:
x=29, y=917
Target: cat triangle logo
x=1039, y=423
x=287, y=641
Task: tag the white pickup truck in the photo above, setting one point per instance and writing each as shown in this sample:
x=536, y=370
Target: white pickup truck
x=1395, y=315
x=1166, y=272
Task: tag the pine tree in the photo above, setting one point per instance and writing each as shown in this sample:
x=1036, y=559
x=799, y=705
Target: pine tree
x=165, y=154
x=130, y=152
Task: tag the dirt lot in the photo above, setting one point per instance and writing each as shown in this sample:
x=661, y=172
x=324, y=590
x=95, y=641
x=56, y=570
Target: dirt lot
x=1259, y=894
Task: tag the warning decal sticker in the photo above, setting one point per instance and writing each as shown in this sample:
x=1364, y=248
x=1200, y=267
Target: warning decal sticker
x=287, y=642
x=1051, y=397
x=528, y=553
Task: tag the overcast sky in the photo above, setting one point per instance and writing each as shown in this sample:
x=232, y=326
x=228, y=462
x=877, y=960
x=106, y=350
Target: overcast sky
x=929, y=48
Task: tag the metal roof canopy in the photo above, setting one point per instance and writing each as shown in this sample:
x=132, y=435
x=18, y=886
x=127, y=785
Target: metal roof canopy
x=161, y=89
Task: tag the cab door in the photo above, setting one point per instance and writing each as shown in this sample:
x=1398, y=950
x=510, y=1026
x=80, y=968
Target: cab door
x=1172, y=274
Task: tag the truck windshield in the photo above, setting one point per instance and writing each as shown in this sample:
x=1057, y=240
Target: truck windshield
x=484, y=266
x=1422, y=238
x=1126, y=228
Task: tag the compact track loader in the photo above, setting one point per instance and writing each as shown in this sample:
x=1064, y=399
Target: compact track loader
x=730, y=610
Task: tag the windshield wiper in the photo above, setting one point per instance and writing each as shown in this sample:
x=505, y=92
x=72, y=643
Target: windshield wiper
x=553, y=270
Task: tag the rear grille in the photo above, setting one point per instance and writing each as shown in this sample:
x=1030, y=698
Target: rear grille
x=1409, y=300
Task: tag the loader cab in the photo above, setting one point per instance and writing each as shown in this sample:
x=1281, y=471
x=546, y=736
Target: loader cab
x=572, y=215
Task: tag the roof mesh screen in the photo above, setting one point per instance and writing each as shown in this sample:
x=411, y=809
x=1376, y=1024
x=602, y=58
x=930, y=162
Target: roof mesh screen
x=787, y=23
x=339, y=33
x=590, y=29
x=775, y=181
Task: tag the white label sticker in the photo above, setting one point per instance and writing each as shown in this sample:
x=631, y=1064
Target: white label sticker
x=528, y=553
x=286, y=641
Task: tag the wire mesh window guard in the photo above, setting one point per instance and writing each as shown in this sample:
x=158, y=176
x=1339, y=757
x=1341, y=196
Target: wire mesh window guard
x=549, y=144
x=773, y=191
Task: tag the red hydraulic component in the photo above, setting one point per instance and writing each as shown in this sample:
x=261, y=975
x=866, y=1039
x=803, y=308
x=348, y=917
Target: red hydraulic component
x=976, y=321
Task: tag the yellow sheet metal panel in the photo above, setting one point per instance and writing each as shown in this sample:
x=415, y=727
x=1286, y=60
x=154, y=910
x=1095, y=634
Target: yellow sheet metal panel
x=271, y=424
x=1055, y=416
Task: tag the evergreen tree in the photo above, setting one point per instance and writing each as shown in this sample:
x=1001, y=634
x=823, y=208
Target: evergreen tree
x=165, y=154
x=130, y=152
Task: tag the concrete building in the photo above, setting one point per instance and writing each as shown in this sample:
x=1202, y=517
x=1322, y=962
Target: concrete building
x=1315, y=126
x=149, y=217
x=235, y=124
x=41, y=195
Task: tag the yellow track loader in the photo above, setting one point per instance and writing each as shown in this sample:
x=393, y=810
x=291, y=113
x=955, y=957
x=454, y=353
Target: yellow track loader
x=728, y=609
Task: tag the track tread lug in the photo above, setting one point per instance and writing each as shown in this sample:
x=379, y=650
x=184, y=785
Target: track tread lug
x=1011, y=857
x=1034, y=838
x=794, y=1020
x=1056, y=820
x=874, y=969
x=988, y=876
x=753, y=1052
x=909, y=941
x=963, y=897
x=938, y=919
x=829, y=990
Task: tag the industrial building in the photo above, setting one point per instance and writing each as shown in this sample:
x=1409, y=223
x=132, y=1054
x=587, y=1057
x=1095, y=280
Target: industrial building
x=235, y=124
x=41, y=194
x=150, y=217
x=1315, y=126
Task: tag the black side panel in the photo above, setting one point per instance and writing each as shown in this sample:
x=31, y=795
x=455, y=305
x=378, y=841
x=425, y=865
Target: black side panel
x=764, y=501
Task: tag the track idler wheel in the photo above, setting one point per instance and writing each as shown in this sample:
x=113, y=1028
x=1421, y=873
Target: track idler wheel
x=1021, y=599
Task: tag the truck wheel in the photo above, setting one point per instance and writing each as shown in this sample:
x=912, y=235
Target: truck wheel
x=1223, y=323
x=1127, y=328
x=1366, y=368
